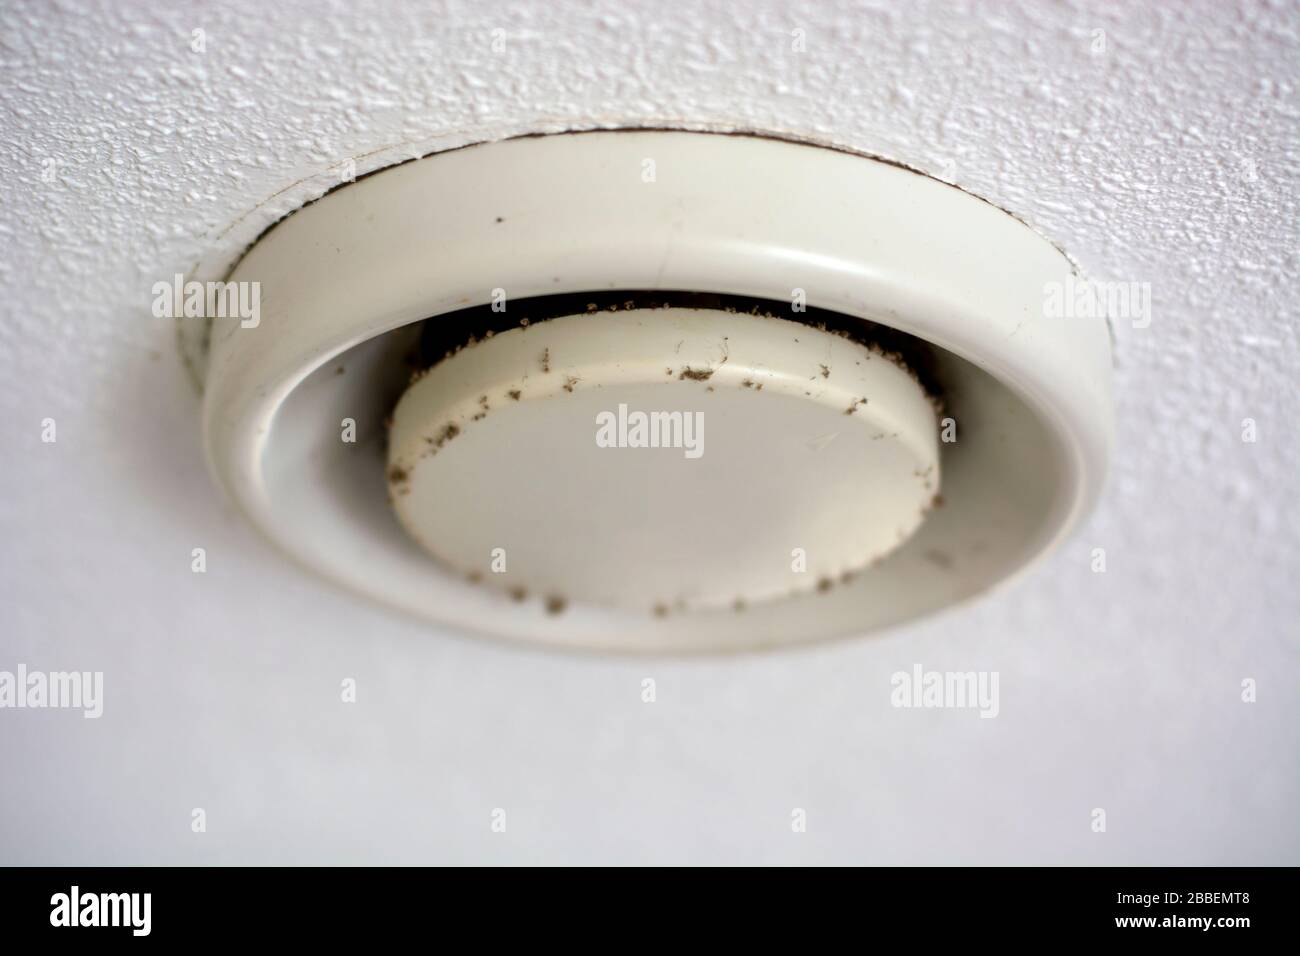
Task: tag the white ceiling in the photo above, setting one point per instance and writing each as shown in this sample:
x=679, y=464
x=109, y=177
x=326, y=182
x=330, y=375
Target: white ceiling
x=1169, y=158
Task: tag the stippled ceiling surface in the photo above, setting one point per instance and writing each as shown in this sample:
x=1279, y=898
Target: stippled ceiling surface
x=1156, y=144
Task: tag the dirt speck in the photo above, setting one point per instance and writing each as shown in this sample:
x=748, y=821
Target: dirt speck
x=450, y=431
x=518, y=594
x=940, y=559
x=825, y=584
x=556, y=604
x=661, y=610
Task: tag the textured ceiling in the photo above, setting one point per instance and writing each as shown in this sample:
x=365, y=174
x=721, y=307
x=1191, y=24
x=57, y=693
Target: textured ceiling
x=1168, y=157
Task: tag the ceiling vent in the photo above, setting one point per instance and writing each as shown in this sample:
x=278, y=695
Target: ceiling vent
x=658, y=391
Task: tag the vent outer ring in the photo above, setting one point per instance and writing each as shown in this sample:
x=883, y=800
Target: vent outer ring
x=738, y=215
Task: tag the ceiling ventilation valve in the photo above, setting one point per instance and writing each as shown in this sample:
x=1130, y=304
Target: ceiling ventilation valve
x=658, y=392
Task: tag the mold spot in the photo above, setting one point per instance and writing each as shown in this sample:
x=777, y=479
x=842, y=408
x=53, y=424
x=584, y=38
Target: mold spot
x=555, y=604
x=569, y=382
x=515, y=394
x=939, y=559
x=695, y=374
x=546, y=359
x=447, y=434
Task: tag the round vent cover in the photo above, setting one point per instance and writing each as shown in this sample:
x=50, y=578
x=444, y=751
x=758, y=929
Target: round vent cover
x=666, y=391
x=664, y=459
